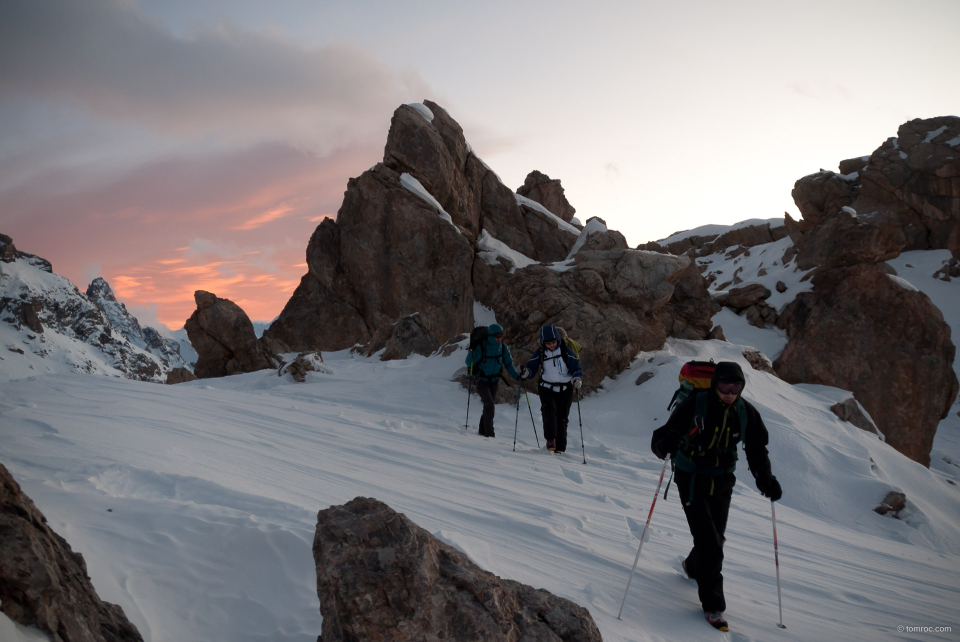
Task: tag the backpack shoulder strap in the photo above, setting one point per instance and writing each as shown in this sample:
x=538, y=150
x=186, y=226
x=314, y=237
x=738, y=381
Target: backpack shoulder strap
x=701, y=403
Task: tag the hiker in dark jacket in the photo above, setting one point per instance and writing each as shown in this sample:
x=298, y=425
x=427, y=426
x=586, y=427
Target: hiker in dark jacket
x=560, y=375
x=485, y=363
x=704, y=472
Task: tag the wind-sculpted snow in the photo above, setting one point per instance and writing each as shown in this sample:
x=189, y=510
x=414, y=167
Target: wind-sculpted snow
x=213, y=487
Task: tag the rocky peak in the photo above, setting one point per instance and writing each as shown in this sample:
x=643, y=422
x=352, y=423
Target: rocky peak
x=100, y=290
x=539, y=187
x=423, y=235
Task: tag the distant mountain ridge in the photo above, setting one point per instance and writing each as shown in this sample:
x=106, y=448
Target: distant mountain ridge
x=51, y=326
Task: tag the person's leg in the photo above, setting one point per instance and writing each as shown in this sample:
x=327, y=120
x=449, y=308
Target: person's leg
x=563, y=402
x=706, y=517
x=486, y=391
x=548, y=411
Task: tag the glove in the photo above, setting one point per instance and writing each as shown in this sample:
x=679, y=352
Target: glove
x=577, y=382
x=768, y=486
x=657, y=448
x=524, y=373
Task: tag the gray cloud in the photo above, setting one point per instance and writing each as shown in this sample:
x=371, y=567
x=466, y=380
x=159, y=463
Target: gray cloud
x=105, y=57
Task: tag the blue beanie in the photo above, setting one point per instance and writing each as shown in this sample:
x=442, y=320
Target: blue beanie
x=493, y=329
x=548, y=333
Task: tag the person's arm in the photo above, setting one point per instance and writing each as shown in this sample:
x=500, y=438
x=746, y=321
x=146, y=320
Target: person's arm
x=666, y=439
x=573, y=365
x=508, y=363
x=758, y=459
x=533, y=366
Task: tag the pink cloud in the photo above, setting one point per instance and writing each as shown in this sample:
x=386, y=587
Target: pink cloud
x=235, y=225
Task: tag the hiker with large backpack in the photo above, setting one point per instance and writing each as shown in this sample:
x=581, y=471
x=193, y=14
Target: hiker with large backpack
x=560, y=375
x=487, y=356
x=701, y=437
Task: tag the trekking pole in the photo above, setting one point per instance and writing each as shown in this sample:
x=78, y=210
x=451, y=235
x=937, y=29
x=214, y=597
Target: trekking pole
x=580, y=417
x=642, y=535
x=517, y=421
x=466, y=423
x=531, y=417
x=776, y=557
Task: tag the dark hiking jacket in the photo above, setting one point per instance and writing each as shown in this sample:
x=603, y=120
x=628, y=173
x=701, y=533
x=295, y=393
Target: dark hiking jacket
x=712, y=451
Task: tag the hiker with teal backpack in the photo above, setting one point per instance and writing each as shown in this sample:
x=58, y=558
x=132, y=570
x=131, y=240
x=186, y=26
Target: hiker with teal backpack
x=560, y=375
x=485, y=361
x=701, y=437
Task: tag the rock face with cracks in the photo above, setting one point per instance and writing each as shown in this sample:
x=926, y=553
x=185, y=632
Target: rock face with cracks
x=382, y=577
x=44, y=583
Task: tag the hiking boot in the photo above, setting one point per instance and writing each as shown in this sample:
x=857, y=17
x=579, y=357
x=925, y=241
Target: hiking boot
x=551, y=444
x=715, y=619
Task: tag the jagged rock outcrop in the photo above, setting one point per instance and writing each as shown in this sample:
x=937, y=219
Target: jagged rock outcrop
x=40, y=303
x=382, y=577
x=859, y=330
x=44, y=583
x=610, y=303
x=431, y=229
x=224, y=338
x=705, y=244
x=904, y=196
x=548, y=192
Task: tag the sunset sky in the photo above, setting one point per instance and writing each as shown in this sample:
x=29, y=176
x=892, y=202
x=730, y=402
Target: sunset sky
x=176, y=145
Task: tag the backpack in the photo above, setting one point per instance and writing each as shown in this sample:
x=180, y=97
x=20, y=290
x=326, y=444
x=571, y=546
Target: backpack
x=478, y=337
x=694, y=375
x=573, y=345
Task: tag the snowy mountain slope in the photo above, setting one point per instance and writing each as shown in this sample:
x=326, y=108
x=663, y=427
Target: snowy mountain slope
x=213, y=488
x=92, y=334
x=717, y=230
x=145, y=337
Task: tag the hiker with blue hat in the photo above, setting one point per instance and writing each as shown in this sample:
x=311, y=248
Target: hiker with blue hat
x=560, y=375
x=486, y=361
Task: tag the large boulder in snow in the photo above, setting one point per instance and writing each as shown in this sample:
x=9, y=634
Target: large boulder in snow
x=548, y=192
x=904, y=196
x=44, y=583
x=382, y=577
x=610, y=301
x=862, y=330
x=224, y=338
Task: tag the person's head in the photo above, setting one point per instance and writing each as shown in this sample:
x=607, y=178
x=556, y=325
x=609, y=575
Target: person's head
x=549, y=337
x=496, y=331
x=728, y=381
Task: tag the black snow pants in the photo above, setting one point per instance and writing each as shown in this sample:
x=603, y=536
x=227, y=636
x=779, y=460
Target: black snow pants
x=555, y=402
x=707, y=518
x=487, y=391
